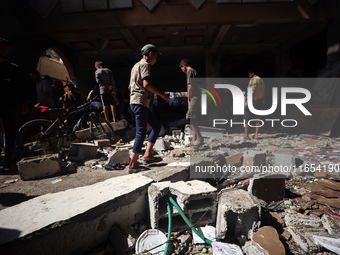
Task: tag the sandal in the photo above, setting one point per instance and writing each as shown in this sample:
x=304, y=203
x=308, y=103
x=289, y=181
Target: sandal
x=113, y=166
x=139, y=169
x=154, y=160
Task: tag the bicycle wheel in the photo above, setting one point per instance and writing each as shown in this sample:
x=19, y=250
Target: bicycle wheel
x=32, y=140
x=100, y=128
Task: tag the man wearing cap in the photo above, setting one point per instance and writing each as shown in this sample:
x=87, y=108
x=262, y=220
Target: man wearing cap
x=140, y=88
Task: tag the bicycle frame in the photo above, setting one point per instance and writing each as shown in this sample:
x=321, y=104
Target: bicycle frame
x=81, y=109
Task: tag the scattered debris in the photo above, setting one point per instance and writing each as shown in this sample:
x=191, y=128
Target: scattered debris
x=56, y=181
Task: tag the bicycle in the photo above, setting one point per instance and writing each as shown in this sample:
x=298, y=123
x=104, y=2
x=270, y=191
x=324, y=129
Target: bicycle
x=46, y=136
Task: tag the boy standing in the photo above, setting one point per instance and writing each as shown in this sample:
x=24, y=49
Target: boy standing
x=107, y=89
x=258, y=92
x=140, y=88
x=193, y=106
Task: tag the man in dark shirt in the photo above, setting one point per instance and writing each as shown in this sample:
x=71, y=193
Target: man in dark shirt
x=107, y=89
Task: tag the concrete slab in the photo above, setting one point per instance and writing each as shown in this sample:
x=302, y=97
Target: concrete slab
x=302, y=228
x=331, y=224
x=304, y=238
x=167, y=173
x=73, y=221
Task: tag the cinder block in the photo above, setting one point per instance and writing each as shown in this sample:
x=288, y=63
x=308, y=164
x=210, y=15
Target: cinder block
x=196, y=198
x=234, y=159
x=158, y=194
x=268, y=188
x=119, y=156
x=82, y=151
x=254, y=158
x=39, y=167
x=238, y=213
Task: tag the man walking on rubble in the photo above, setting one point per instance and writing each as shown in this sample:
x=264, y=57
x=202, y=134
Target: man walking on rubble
x=140, y=88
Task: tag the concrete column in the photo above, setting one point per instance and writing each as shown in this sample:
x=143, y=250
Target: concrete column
x=212, y=63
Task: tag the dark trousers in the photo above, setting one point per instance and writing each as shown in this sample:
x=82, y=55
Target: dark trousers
x=143, y=115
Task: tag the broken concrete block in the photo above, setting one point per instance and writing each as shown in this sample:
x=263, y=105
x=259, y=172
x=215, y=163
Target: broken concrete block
x=268, y=238
x=239, y=213
x=268, y=189
x=81, y=151
x=102, y=143
x=251, y=248
x=304, y=238
x=39, y=166
x=161, y=145
x=158, y=195
x=302, y=228
x=119, y=125
x=254, y=158
x=84, y=134
x=331, y=224
x=234, y=159
x=119, y=156
x=312, y=221
x=196, y=198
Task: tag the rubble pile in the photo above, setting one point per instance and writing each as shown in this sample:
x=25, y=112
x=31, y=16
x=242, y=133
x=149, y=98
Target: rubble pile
x=254, y=212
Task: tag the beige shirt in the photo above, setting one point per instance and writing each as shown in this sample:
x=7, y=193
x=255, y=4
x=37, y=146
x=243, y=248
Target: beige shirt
x=258, y=87
x=139, y=95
